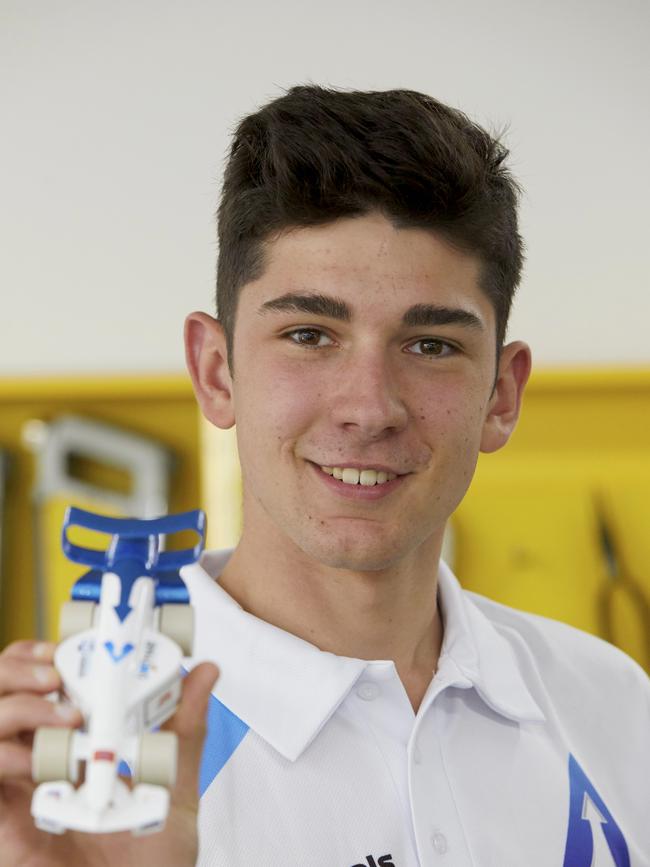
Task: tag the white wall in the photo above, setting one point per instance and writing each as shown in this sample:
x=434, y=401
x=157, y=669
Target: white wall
x=115, y=122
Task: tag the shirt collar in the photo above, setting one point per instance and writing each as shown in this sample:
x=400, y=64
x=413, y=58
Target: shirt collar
x=281, y=686
x=473, y=646
x=286, y=689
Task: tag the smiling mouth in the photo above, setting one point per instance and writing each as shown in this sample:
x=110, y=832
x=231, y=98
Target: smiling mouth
x=353, y=476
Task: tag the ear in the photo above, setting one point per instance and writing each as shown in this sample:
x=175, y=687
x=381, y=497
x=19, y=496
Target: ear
x=505, y=403
x=207, y=361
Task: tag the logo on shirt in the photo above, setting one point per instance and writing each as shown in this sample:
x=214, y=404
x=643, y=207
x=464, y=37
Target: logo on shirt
x=382, y=861
x=594, y=839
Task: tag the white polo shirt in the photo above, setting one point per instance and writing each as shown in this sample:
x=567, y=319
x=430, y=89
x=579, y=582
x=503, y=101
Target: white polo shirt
x=531, y=747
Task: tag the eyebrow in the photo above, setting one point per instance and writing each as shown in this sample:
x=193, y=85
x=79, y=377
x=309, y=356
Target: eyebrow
x=432, y=314
x=416, y=316
x=316, y=304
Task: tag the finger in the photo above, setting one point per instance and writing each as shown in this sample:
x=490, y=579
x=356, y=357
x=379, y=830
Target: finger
x=22, y=712
x=189, y=719
x=19, y=675
x=189, y=723
x=15, y=760
x=40, y=651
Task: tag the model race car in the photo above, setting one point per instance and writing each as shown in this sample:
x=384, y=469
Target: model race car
x=123, y=636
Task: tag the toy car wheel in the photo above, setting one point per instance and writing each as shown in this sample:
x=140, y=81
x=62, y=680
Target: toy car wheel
x=51, y=754
x=177, y=623
x=76, y=616
x=157, y=759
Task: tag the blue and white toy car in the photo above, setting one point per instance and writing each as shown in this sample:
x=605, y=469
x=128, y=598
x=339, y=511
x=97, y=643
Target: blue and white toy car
x=123, y=636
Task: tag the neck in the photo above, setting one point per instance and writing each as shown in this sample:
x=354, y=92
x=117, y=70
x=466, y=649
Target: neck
x=385, y=614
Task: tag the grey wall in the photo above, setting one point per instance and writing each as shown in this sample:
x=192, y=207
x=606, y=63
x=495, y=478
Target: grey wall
x=115, y=122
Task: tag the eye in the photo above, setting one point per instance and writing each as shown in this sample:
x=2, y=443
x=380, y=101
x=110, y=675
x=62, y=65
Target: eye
x=313, y=338
x=431, y=347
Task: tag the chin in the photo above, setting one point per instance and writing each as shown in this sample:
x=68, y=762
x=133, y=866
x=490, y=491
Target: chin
x=353, y=555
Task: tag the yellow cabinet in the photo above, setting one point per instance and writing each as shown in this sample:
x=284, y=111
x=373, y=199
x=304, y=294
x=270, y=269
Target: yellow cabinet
x=158, y=412
x=558, y=522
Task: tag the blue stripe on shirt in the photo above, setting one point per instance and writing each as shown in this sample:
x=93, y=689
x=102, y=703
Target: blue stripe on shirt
x=225, y=733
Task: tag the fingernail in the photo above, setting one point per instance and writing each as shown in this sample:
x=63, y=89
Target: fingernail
x=44, y=674
x=66, y=711
x=42, y=648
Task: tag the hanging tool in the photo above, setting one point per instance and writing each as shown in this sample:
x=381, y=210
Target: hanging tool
x=622, y=585
x=61, y=444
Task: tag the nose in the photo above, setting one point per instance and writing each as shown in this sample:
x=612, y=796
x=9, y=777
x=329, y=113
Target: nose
x=367, y=399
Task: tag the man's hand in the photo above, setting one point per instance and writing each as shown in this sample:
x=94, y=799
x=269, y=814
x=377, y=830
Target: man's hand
x=26, y=676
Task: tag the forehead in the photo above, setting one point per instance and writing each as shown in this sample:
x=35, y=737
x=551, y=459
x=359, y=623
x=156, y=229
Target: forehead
x=378, y=271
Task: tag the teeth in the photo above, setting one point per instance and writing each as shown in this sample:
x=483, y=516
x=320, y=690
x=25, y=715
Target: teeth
x=351, y=476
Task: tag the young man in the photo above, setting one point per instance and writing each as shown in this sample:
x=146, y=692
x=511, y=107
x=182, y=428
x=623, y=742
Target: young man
x=369, y=711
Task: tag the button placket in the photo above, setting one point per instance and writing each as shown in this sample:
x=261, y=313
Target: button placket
x=435, y=819
x=380, y=704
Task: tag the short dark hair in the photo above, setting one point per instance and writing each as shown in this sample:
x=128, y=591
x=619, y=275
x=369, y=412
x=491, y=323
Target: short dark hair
x=317, y=154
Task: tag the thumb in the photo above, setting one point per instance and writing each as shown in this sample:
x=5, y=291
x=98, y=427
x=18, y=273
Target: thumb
x=190, y=724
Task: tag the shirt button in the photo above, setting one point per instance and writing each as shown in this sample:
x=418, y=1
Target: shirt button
x=368, y=691
x=439, y=843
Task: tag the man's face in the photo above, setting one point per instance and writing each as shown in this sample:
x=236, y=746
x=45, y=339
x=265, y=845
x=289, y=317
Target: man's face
x=345, y=358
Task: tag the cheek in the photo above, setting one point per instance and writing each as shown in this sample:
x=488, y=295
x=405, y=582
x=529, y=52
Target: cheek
x=452, y=421
x=453, y=438
x=274, y=406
